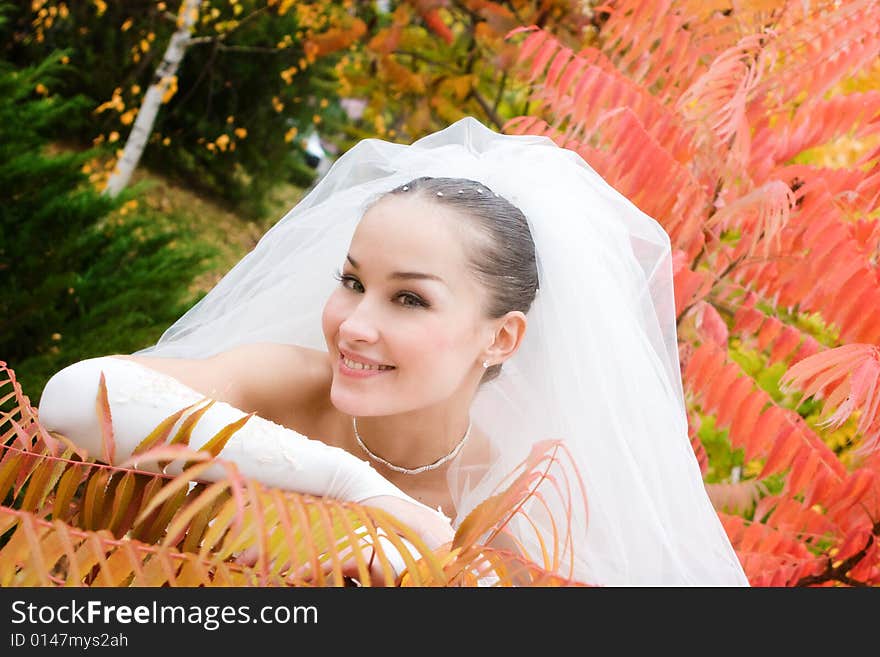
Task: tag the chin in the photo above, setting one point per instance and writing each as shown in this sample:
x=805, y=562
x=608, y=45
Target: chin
x=354, y=404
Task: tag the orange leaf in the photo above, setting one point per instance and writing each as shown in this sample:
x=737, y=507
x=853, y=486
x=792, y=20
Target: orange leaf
x=108, y=442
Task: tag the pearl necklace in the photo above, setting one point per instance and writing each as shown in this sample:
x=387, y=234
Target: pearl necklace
x=431, y=466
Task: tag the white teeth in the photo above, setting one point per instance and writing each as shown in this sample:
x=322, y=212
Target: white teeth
x=360, y=366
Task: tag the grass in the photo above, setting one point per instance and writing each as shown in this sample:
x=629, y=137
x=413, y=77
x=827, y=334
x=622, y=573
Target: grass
x=215, y=224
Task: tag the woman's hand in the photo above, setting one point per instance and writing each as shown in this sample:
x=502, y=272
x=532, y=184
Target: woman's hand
x=432, y=526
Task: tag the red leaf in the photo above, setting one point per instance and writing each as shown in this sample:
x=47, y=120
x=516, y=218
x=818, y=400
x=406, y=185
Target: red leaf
x=769, y=330
x=544, y=54
x=744, y=420
x=853, y=489
x=747, y=320
x=531, y=43
x=559, y=62
x=435, y=23
x=523, y=28
x=704, y=363
x=784, y=449
x=764, y=435
x=803, y=469
x=731, y=404
x=785, y=344
x=720, y=386
x=808, y=347
x=710, y=324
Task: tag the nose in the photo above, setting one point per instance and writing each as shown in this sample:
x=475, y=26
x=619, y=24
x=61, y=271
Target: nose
x=360, y=324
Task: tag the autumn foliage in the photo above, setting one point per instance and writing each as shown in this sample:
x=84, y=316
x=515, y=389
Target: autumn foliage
x=750, y=134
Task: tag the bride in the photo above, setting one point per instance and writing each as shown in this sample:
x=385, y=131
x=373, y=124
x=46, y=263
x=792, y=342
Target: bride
x=415, y=325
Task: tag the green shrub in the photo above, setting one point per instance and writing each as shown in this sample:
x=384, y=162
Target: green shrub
x=81, y=275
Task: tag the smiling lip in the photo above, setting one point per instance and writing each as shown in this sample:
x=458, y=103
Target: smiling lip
x=359, y=374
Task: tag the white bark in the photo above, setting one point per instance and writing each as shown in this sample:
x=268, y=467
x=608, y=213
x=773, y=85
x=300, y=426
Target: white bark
x=146, y=117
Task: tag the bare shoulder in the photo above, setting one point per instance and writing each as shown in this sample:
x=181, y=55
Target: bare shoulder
x=288, y=384
x=275, y=381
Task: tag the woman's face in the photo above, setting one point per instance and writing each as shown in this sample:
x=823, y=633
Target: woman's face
x=406, y=300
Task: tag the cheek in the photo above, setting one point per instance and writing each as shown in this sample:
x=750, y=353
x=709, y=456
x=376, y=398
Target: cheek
x=441, y=342
x=332, y=316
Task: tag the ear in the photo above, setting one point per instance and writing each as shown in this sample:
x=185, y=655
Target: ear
x=508, y=334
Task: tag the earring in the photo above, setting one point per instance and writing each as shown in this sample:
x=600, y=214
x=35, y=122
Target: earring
x=485, y=363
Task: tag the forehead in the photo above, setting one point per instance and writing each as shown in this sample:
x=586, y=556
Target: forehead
x=413, y=233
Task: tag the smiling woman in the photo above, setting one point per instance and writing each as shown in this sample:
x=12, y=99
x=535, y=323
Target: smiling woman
x=433, y=353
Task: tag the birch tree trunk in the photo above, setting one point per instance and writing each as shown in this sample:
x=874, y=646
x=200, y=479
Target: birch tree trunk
x=146, y=117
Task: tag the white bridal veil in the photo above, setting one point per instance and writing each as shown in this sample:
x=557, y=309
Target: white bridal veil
x=598, y=367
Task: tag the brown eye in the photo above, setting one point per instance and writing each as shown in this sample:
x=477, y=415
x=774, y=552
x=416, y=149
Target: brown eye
x=344, y=279
x=416, y=302
x=410, y=300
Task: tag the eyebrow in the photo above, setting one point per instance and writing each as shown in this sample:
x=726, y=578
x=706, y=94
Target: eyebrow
x=406, y=275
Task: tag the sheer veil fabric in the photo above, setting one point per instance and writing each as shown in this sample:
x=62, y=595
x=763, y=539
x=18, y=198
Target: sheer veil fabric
x=598, y=367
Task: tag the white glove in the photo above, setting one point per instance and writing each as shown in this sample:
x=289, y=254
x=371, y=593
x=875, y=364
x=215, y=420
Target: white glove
x=140, y=398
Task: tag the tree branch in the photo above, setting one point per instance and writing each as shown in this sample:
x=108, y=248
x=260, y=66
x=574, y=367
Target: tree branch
x=486, y=108
x=839, y=573
x=421, y=57
x=500, y=92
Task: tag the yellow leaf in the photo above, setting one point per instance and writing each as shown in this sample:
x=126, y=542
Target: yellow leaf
x=135, y=89
x=241, y=133
x=288, y=74
x=171, y=89
x=145, y=45
x=223, y=142
x=114, y=136
x=41, y=89
x=290, y=135
x=126, y=25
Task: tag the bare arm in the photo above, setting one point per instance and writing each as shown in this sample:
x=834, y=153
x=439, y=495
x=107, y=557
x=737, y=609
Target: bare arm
x=274, y=381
